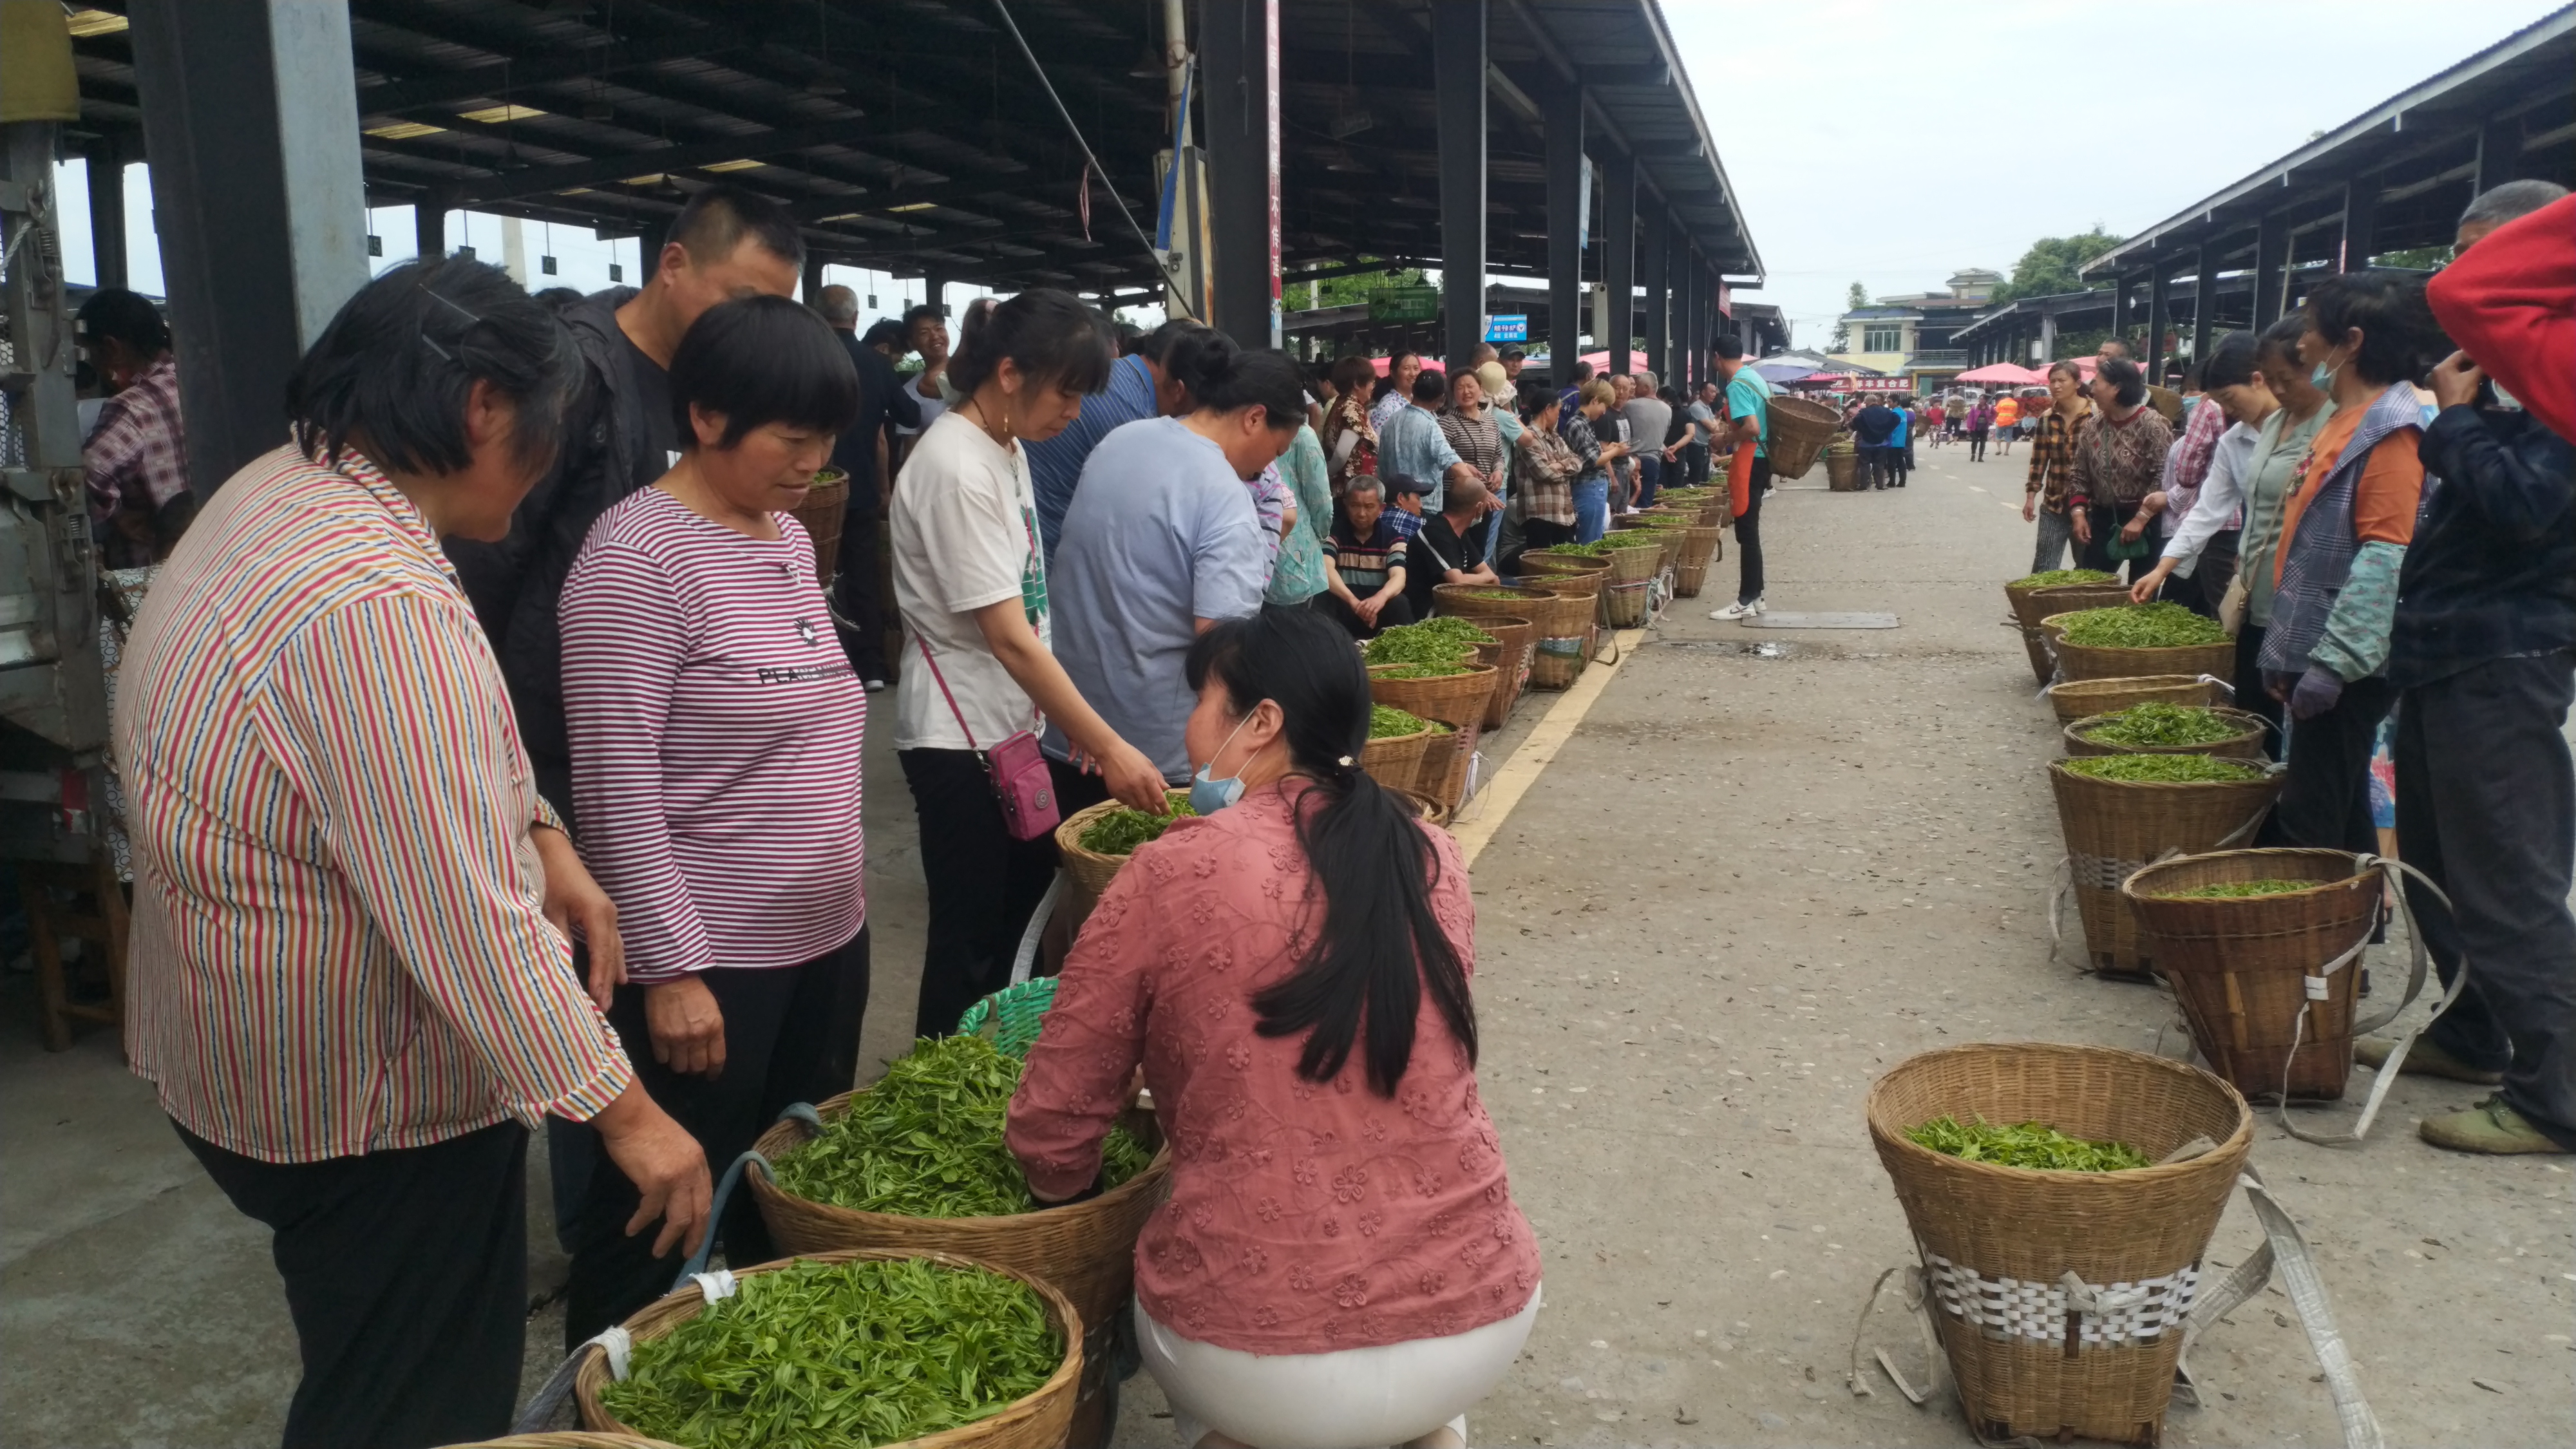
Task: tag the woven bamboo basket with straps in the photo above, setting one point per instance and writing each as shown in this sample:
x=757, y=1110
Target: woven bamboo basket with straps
x=1040, y=1420
x=1446, y=759
x=2079, y=661
x=2032, y=606
x=1799, y=431
x=1088, y=872
x=1555, y=654
x=2240, y=965
x=820, y=514
x=1670, y=533
x=2083, y=698
x=1578, y=619
x=569, y=1439
x=1396, y=760
x=2245, y=744
x=2115, y=828
x=2059, y=1296
x=1540, y=561
x=1631, y=570
x=1456, y=700
x=1514, y=640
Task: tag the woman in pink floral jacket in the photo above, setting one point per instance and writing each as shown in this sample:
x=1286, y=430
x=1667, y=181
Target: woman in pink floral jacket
x=1341, y=1262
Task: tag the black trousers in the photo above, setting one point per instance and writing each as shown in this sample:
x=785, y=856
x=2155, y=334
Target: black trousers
x=1748, y=534
x=2251, y=696
x=984, y=885
x=1976, y=444
x=2325, y=799
x=791, y=1035
x=1397, y=610
x=854, y=594
x=2486, y=806
x=2206, y=589
x=407, y=1277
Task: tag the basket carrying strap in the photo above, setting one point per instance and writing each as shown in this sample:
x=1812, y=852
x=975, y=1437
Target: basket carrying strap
x=2285, y=1249
x=2394, y=871
x=695, y=1270
x=538, y=1417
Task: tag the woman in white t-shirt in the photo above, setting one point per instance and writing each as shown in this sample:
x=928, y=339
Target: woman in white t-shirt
x=971, y=582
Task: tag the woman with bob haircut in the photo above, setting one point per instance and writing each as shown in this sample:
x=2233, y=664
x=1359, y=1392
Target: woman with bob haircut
x=716, y=730
x=972, y=585
x=351, y=981
x=1341, y=1262
x=2119, y=461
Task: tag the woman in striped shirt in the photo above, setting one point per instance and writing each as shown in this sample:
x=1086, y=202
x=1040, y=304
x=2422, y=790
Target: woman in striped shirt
x=346, y=987
x=716, y=730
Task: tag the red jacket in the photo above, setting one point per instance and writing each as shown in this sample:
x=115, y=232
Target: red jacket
x=2510, y=302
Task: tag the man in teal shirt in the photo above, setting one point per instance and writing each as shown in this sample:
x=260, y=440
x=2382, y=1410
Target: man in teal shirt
x=1748, y=410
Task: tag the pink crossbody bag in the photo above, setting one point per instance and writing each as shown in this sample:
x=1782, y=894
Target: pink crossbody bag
x=1022, y=784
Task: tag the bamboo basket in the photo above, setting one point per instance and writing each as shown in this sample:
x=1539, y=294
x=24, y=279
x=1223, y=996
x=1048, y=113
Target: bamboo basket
x=2031, y=607
x=826, y=502
x=2115, y=828
x=1582, y=593
x=1842, y=472
x=1799, y=431
x=568, y=1439
x=2246, y=744
x=2240, y=965
x=1538, y=561
x=1086, y=1248
x=1702, y=545
x=1458, y=701
x=2083, y=698
x=1631, y=570
x=1039, y=1421
x=1669, y=535
x=1396, y=760
x=1433, y=812
x=1089, y=872
x=1553, y=661
x=2078, y=661
x=1514, y=641
x=1996, y=1241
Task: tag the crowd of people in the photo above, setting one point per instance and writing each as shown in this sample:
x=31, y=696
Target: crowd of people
x=2377, y=495
x=494, y=755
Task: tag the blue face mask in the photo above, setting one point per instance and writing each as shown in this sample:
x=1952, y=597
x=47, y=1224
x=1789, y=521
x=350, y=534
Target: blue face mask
x=2321, y=377
x=1209, y=795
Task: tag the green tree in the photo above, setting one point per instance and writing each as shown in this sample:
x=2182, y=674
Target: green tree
x=1853, y=300
x=2053, y=264
x=1351, y=290
x=2422, y=259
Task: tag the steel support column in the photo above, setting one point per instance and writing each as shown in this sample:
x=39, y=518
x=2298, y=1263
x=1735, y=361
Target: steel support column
x=429, y=229
x=814, y=276
x=1565, y=181
x=2360, y=223
x=2271, y=268
x=1458, y=81
x=251, y=120
x=1619, y=258
x=107, y=212
x=2159, y=317
x=2204, y=304
x=1657, y=238
x=1239, y=68
x=2499, y=154
x=1684, y=300
x=2121, y=316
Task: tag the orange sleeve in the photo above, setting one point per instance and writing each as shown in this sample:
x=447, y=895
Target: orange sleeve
x=2391, y=484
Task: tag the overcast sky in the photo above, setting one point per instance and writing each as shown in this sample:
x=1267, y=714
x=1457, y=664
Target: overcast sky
x=1895, y=144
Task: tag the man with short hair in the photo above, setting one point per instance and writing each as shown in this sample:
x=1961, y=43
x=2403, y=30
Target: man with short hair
x=1748, y=478
x=2483, y=646
x=1443, y=550
x=1900, y=444
x=1706, y=434
x=925, y=330
x=1412, y=443
x=861, y=453
x=1648, y=418
x=1871, y=429
x=136, y=458
x=725, y=243
x=1364, y=590
x=1512, y=359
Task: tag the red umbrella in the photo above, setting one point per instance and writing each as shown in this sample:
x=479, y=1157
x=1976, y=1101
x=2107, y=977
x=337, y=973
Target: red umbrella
x=2004, y=373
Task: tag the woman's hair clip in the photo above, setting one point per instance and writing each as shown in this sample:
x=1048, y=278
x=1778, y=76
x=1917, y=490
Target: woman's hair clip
x=1344, y=762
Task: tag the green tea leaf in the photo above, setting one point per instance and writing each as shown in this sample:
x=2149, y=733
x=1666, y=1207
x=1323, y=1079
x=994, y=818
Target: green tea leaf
x=2143, y=626
x=1121, y=830
x=2158, y=724
x=1386, y=722
x=2235, y=889
x=2163, y=769
x=2030, y=1144
x=2052, y=578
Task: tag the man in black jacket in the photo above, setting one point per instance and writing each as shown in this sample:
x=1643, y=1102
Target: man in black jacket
x=882, y=399
x=2484, y=648
x=1872, y=428
x=725, y=243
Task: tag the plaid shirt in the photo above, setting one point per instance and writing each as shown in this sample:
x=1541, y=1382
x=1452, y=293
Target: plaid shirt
x=137, y=460
x=2052, y=457
x=340, y=942
x=1547, y=471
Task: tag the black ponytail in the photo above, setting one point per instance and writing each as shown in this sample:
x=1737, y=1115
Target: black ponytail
x=1221, y=377
x=1052, y=338
x=1380, y=944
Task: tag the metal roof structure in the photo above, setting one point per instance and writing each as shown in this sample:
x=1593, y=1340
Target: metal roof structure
x=2398, y=175
x=910, y=136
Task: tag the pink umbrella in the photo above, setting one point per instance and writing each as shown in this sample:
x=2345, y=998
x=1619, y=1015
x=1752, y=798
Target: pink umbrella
x=2004, y=373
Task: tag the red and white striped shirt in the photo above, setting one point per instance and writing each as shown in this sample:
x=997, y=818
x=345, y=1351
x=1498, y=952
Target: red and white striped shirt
x=340, y=943
x=716, y=731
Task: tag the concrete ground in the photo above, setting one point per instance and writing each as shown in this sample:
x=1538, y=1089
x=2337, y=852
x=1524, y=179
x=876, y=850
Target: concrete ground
x=1749, y=881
